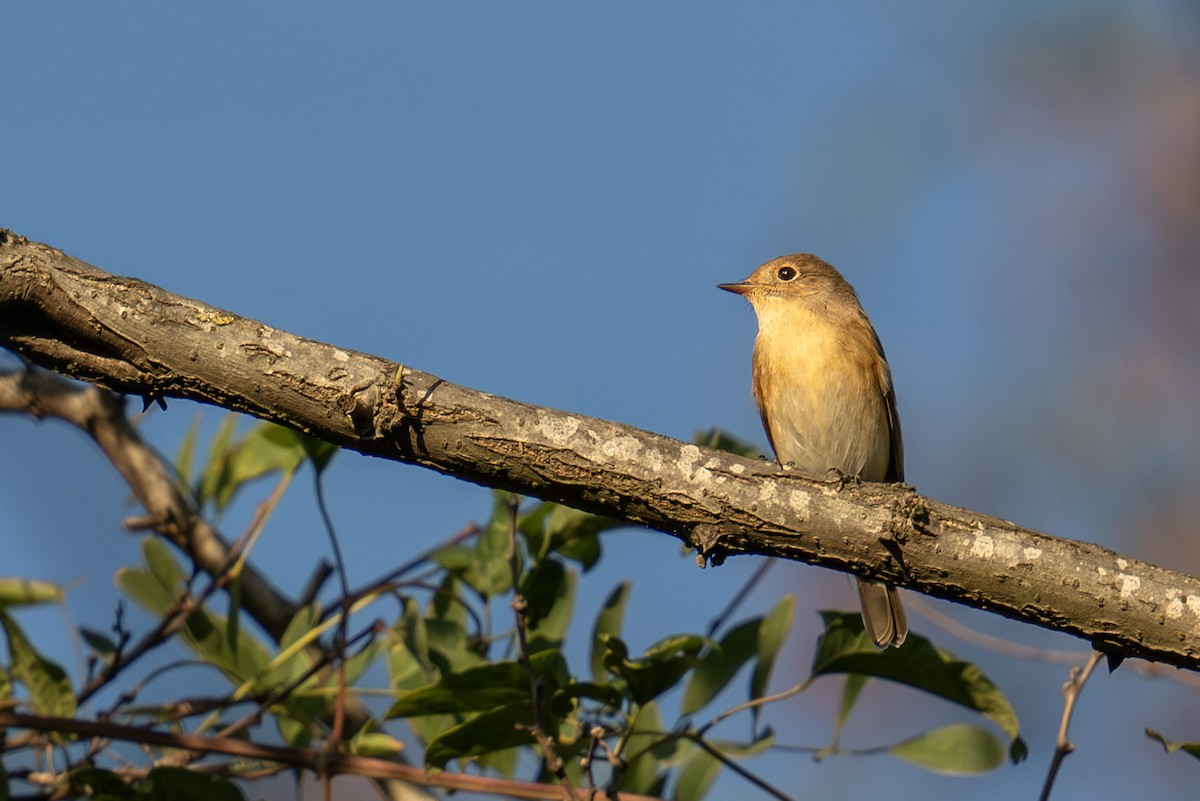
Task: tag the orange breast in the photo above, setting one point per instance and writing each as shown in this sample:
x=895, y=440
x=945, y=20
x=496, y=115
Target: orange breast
x=819, y=393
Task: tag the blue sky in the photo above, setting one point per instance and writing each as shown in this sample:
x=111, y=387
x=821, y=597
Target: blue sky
x=537, y=199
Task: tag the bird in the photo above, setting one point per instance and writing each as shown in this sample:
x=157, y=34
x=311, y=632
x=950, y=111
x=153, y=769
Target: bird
x=824, y=392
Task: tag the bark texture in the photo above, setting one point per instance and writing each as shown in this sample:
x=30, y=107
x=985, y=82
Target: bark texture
x=136, y=338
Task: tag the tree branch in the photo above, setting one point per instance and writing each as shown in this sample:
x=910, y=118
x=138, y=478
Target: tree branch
x=134, y=337
x=310, y=758
x=102, y=416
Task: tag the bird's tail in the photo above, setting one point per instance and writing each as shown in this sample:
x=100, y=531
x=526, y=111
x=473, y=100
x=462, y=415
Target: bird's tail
x=883, y=615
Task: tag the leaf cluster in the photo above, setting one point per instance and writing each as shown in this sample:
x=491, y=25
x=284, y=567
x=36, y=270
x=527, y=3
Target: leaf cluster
x=456, y=671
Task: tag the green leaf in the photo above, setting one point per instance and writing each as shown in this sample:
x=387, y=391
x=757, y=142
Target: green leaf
x=430, y=727
x=850, y=692
x=298, y=715
x=156, y=588
x=700, y=768
x=644, y=751
x=491, y=574
x=719, y=665
x=1171, y=746
x=497, y=729
x=721, y=441
x=584, y=550
x=49, y=688
x=405, y=671
x=409, y=666
x=408, y=655
x=484, y=567
x=298, y=663
x=657, y=670
x=358, y=663
x=665, y=649
x=543, y=587
x=481, y=688
x=549, y=591
x=696, y=776
x=846, y=648
x=296, y=732
x=505, y=761
x=302, y=623
x=772, y=633
x=604, y=693
x=455, y=558
x=575, y=534
x=448, y=603
x=140, y=586
x=450, y=649
x=26, y=592
x=532, y=525
x=953, y=750
x=185, y=457
x=318, y=451
x=181, y=784
x=608, y=624
x=267, y=448
x=104, y=647
x=163, y=566
x=375, y=744
x=104, y=784
x=218, y=452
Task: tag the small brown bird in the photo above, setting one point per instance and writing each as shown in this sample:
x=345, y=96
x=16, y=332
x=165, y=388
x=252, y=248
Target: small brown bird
x=824, y=392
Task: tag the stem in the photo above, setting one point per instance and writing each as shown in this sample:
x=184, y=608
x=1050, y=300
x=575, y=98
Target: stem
x=1064, y=746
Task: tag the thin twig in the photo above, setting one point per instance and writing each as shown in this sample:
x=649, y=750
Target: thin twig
x=752, y=582
x=295, y=684
x=752, y=703
x=596, y=737
x=390, y=577
x=339, y=646
x=100, y=415
x=316, y=581
x=168, y=626
x=181, y=758
x=437, y=591
x=760, y=783
x=1006, y=647
x=1064, y=746
x=308, y=758
x=999, y=645
x=182, y=609
x=554, y=762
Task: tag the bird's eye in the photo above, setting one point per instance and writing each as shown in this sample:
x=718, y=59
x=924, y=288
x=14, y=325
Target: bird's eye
x=786, y=273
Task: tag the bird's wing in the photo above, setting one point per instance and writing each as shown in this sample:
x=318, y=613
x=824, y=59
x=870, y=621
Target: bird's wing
x=895, y=471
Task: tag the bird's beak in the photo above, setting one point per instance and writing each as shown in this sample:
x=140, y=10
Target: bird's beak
x=737, y=289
